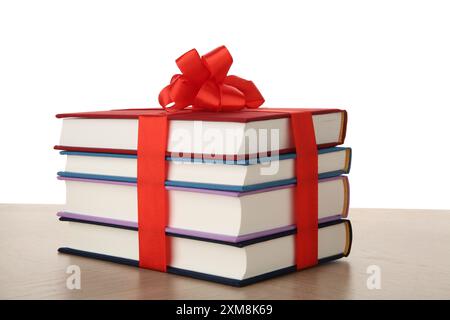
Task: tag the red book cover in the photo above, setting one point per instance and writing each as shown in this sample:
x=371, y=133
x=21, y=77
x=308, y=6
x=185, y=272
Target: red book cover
x=236, y=116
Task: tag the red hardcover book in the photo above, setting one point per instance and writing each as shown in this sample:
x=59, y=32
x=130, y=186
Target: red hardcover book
x=242, y=134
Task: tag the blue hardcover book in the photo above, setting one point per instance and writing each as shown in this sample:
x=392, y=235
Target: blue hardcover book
x=232, y=175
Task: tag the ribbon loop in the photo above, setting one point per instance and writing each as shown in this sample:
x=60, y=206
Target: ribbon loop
x=204, y=84
x=218, y=62
x=192, y=67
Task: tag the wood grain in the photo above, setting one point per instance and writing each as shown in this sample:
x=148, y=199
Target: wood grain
x=411, y=247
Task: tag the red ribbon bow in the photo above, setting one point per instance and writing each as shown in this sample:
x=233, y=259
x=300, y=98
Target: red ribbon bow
x=204, y=84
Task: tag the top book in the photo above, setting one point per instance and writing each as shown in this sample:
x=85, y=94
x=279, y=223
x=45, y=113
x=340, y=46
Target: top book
x=245, y=133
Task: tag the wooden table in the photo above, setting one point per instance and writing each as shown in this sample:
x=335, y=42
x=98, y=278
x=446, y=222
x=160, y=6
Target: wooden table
x=411, y=248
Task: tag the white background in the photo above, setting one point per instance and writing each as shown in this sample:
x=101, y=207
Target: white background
x=386, y=62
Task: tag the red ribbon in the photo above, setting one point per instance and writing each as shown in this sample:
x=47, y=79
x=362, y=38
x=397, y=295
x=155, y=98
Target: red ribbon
x=152, y=194
x=306, y=192
x=204, y=84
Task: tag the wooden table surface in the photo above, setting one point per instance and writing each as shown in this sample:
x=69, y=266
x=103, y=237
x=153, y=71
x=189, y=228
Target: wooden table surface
x=411, y=248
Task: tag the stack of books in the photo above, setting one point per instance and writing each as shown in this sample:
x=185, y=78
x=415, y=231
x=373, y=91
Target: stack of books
x=230, y=195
